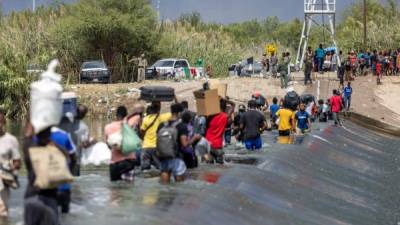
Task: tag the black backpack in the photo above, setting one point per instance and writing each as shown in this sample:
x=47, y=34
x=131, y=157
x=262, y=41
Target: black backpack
x=260, y=101
x=307, y=98
x=292, y=100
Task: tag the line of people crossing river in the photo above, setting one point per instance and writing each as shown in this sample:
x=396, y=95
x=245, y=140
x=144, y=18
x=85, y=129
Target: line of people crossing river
x=140, y=139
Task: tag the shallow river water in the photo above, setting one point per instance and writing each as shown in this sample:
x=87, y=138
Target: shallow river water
x=333, y=176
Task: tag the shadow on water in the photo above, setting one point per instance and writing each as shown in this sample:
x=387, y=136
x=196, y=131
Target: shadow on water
x=246, y=160
x=332, y=176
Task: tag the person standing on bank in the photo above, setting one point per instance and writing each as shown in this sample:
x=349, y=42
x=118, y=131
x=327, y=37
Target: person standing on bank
x=10, y=162
x=283, y=70
x=320, y=55
x=274, y=64
x=142, y=65
x=341, y=70
x=308, y=66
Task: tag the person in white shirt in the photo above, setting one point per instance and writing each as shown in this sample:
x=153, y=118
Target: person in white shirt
x=10, y=162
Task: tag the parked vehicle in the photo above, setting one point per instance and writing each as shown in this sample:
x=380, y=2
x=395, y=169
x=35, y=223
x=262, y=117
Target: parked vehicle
x=249, y=70
x=34, y=69
x=165, y=68
x=94, y=71
x=232, y=70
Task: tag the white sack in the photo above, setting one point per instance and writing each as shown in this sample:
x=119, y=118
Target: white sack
x=46, y=103
x=96, y=155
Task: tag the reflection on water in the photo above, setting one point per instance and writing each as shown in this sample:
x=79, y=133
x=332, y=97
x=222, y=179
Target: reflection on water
x=285, y=140
x=151, y=198
x=290, y=140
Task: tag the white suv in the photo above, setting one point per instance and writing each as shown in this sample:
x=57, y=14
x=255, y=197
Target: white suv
x=165, y=68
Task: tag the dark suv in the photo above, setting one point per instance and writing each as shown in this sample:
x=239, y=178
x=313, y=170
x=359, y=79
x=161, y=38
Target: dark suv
x=94, y=71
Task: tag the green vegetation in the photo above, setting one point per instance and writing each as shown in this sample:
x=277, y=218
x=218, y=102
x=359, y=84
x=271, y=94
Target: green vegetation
x=182, y=40
x=23, y=40
x=111, y=30
x=116, y=31
x=383, y=24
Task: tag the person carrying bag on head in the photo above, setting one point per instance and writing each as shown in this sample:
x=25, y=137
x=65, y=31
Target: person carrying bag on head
x=46, y=164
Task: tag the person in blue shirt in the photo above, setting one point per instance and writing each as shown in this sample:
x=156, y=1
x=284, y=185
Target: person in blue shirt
x=273, y=109
x=347, y=92
x=64, y=141
x=302, y=119
x=320, y=54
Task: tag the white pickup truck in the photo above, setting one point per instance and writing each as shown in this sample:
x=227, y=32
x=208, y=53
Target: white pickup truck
x=165, y=68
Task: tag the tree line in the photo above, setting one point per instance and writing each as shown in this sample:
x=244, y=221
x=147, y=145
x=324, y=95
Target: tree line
x=115, y=31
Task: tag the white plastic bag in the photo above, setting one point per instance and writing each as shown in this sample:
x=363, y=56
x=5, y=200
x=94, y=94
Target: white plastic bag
x=202, y=147
x=96, y=155
x=115, y=140
x=46, y=103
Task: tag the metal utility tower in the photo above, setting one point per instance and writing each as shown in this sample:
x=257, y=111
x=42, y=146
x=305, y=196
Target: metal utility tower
x=313, y=8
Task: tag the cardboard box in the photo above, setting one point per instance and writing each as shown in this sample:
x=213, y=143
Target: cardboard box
x=207, y=102
x=221, y=87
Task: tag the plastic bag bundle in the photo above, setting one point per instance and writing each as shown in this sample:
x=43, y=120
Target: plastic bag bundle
x=130, y=140
x=46, y=103
x=98, y=154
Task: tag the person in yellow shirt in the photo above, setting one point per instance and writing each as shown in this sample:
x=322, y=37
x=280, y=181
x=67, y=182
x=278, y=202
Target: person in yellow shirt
x=286, y=121
x=148, y=131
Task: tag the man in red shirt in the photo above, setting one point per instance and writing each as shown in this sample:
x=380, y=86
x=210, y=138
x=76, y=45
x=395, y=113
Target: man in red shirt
x=215, y=133
x=336, y=106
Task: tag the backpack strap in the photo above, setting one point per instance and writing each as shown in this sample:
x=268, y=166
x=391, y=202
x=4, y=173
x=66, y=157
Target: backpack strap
x=176, y=123
x=152, y=123
x=142, y=133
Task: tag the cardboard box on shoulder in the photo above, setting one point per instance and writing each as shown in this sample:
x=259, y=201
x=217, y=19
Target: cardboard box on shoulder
x=221, y=87
x=207, y=102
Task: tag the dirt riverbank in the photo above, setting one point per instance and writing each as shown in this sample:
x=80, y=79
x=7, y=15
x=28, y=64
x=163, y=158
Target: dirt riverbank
x=378, y=102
